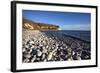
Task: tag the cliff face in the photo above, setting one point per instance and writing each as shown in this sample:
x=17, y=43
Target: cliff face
x=28, y=24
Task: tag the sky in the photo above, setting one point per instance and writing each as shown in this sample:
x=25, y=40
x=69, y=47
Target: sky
x=65, y=20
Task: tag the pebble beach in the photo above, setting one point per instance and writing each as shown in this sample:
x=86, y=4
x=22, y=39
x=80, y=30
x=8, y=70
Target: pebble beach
x=46, y=46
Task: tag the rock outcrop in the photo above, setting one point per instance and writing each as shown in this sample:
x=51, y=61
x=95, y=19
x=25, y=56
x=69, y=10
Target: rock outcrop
x=28, y=24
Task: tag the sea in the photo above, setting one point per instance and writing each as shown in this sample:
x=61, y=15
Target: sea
x=79, y=34
x=83, y=35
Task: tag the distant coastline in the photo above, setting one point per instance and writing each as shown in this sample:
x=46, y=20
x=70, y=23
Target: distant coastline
x=28, y=24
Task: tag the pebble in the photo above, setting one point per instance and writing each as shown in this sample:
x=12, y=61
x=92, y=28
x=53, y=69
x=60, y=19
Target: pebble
x=51, y=46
